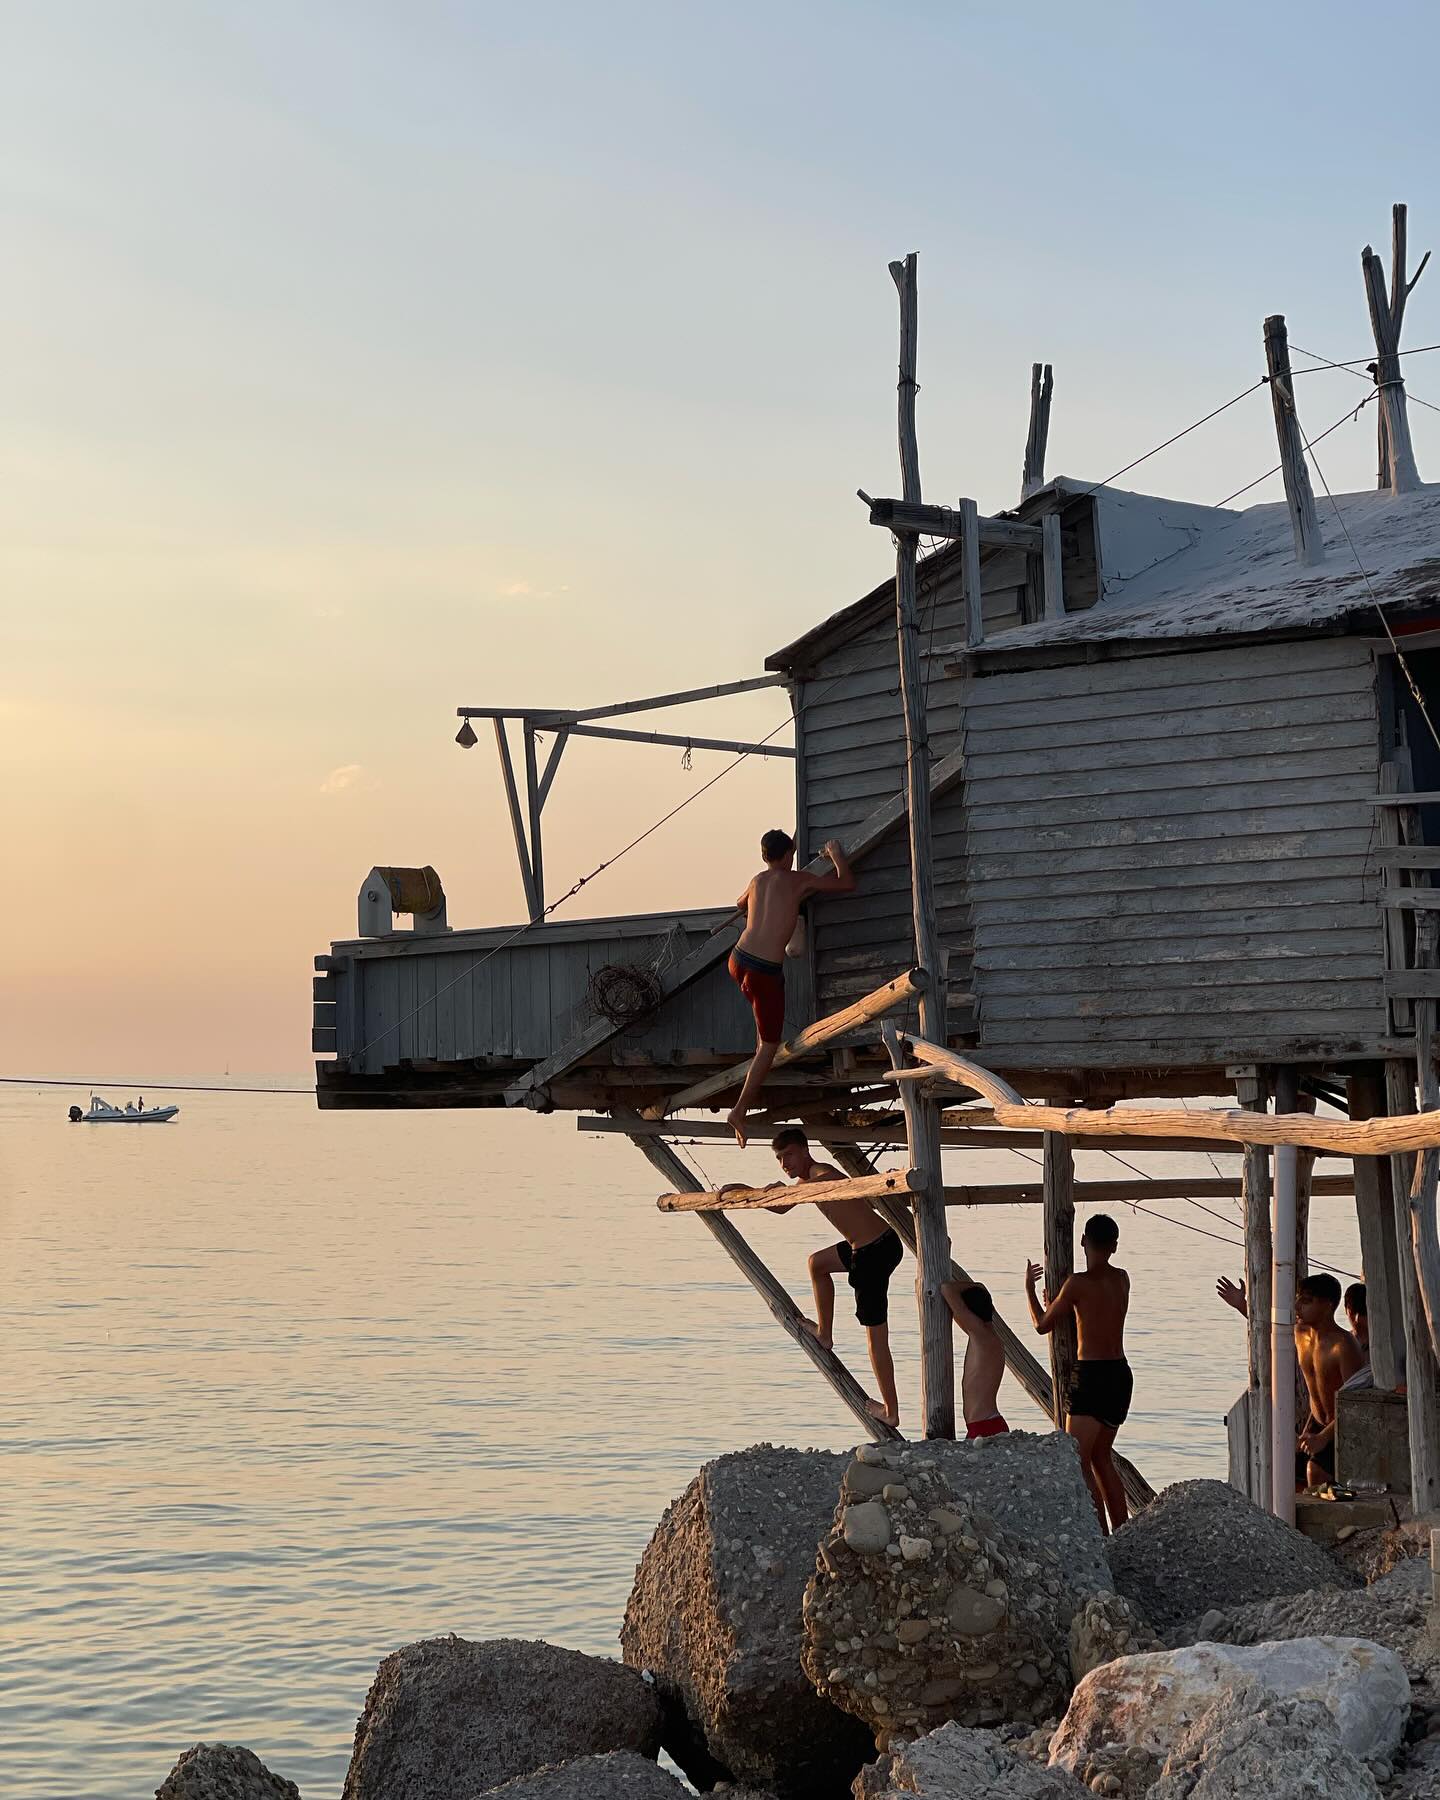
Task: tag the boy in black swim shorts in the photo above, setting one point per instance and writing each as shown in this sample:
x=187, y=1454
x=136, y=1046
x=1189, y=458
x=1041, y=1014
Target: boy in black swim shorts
x=869, y=1252
x=1100, y=1389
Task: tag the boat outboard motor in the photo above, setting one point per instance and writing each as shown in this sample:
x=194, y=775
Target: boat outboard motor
x=76, y=1115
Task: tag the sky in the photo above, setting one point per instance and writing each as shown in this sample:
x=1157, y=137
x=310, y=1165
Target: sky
x=364, y=361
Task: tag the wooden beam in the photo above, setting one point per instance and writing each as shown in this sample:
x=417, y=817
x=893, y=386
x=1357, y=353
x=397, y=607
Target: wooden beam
x=1422, y=1408
x=781, y=1306
x=1379, y=1257
x=872, y=830
x=1425, y=1188
x=548, y=717
x=932, y=1259
x=1299, y=496
x=1351, y=1137
x=507, y=769
x=973, y=581
x=1250, y=1091
x=1032, y=1378
x=1059, y=1202
x=910, y=517
x=1053, y=567
x=1430, y=797
x=534, y=805
x=552, y=762
x=739, y=746
x=890, y=998
x=1032, y=474
x=782, y=1195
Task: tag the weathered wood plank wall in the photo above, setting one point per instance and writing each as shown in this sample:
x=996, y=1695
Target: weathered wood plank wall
x=1168, y=857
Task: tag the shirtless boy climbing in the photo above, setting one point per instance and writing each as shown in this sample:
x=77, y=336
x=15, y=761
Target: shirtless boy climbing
x=869, y=1251
x=1102, y=1386
x=771, y=905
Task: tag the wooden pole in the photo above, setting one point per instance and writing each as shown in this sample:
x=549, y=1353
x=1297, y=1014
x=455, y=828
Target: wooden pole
x=534, y=803
x=896, y=994
x=1283, y=1432
x=787, y=1194
x=922, y=1115
x=1299, y=496
x=1422, y=1409
x=1059, y=1202
x=1250, y=1092
x=507, y=769
x=662, y=1157
x=1032, y=475
x=1027, y=1371
x=1398, y=471
x=1424, y=1236
x=973, y=582
x=1051, y=561
x=1379, y=1260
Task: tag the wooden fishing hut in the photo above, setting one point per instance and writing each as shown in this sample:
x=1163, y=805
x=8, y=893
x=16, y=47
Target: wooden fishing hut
x=1143, y=798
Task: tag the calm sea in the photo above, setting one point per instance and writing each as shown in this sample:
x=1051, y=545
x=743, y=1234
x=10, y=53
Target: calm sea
x=283, y=1390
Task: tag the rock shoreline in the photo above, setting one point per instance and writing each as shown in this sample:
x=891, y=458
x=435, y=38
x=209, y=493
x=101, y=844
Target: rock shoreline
x=941, y=1620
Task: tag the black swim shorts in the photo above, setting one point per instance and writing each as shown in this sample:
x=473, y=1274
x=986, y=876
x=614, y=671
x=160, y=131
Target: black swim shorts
x=1103, y=1391
x=871, y=1267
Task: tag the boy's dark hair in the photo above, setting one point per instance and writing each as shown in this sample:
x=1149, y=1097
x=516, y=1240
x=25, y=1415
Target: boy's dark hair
x=775, y=845
x=1102, y=1231
x=1355, y=1300
x=1319, y=1287
x=977, y=1298
x=787, y=1136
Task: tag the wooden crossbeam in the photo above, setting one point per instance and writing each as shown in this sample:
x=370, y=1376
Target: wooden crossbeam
x=1349, y=1137
x=786, y=1194
x=894, y=996
x=946, y=522
x=892, y=1131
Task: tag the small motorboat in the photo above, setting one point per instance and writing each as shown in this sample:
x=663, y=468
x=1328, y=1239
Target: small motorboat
x=103, y=1113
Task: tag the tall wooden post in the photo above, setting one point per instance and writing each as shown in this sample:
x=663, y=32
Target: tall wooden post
x=1425, y=1186
x=1282, y=1287
x=1379, y=1260
x=1421, y=1406
x=1058, y=1180
x=1255, y=1182
x=1299, y=495
x=1042, y=385
x=1397, y=472
x=933, y=1234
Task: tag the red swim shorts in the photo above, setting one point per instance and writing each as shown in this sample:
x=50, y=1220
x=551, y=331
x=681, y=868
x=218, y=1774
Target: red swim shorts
x=986, y=1427
x=763, y=985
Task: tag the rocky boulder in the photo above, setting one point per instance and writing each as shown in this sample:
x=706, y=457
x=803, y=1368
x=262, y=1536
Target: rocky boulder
x=1395, y=1621
x=223, y=1772
x=716, y=1616
x=1250, y=1743
x=1105, y=1627
x=446, y=1718
x=1150, y=1702
x=954, y=1763
x=619, y=1776
x=1202, y=1544
x=922, y=1610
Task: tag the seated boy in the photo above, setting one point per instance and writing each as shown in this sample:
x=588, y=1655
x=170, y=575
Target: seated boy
x=974, y=1312
x=1328, y=1357
x=771, y=905
x=868, y=1251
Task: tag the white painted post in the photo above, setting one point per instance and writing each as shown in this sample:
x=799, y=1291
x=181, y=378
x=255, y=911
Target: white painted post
x=1282, y=1337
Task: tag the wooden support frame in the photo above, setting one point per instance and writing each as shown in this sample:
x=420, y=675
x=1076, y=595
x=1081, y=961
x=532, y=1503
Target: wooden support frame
x=910, y=515
x=1019, y=1360
x=894, y=996
x=781, y=1196
x=782, y=1307
x=1052, y=567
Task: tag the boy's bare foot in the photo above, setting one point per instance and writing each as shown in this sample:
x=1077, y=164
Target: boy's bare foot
x=735, y=1119
x=822, y=1338
x=878, y=1410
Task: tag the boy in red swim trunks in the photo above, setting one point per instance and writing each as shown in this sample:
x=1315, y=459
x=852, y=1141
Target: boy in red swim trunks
x=771, y=905
x=974, y=1312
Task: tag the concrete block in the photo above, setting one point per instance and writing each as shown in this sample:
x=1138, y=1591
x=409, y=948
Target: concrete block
x=1372, y=1442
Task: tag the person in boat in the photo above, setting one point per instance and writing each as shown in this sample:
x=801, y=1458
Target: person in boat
x=973, y=1311
x=1102, y=1386
x=771, y=905
x=1328, y=1357
x=869, y=1252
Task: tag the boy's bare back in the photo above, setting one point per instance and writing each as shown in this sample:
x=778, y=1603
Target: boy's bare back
x=1101, y=1299
x=772, y=905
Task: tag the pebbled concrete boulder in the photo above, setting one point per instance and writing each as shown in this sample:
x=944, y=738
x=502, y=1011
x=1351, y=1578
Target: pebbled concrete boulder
x=1151, y=1701
x=1202, y=1544
x=223, y=1772
x=446, y=1718
x=922, y=1610
x=1249, y=1743
x=1107, y=1626
x=620, y=1775
x=955, y=1763
x=1398, y=1623
x=716, y=1616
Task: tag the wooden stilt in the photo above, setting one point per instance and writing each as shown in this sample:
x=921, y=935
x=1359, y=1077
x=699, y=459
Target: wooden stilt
x=1421, y=1406
x=1027, y=1371
x=1042, y=385
x=932, y=1255
x=1059, y=1185
x=1299, y=495
x=1250, y=1092
x=1375, y=1215
x=660, y=1155
x=1424, y=1237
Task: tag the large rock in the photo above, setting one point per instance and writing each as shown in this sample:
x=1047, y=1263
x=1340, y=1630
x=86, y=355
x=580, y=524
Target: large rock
x=715, y=1615
x=922, y=1609
x=1105, y=1627
x=223, y=1772
x=619, y=1776
x=1249, y=1744
x=1397, y=1623
x=955, y=1763
x=446, y=1718
x=1202, y=1544
x=1150, y=1701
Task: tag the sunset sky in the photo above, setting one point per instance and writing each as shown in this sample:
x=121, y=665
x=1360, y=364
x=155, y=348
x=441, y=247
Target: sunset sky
x=362, y=361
